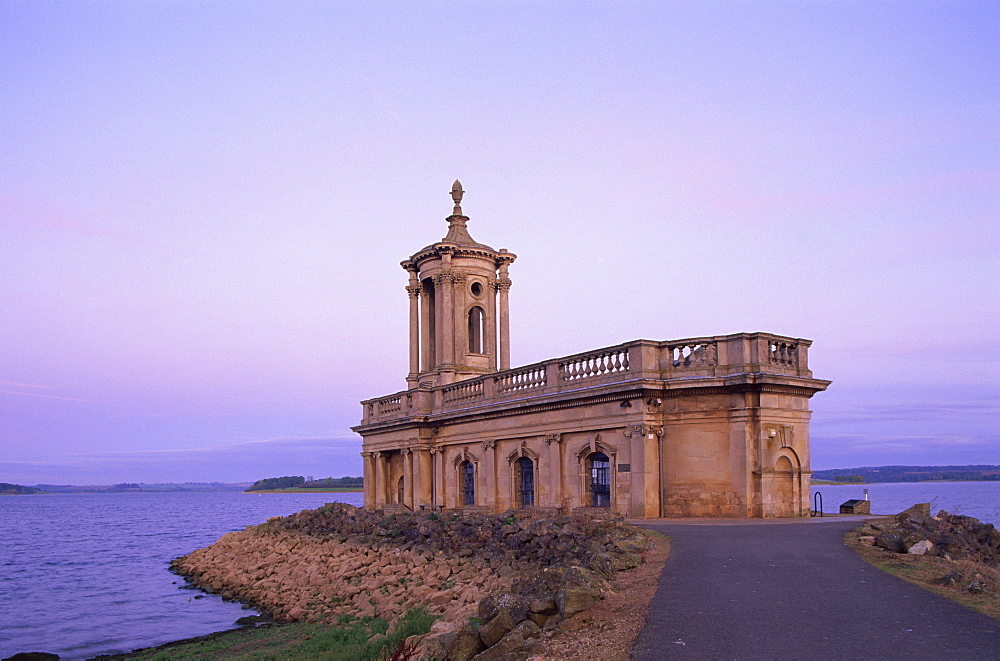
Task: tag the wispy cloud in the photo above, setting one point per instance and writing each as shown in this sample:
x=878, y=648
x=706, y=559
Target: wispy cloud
x=14, y=384
x=91, y=224
x=20, y=393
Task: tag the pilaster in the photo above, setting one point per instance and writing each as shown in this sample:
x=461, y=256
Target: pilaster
x=644, y=440
x=488, y=474
x=369, y=479
x=379, y=486
x=555, y=466
x=424, y=467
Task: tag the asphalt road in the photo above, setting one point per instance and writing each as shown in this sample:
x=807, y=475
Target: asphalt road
x=794, y=591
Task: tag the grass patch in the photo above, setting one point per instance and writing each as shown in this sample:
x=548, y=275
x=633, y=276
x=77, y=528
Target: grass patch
x=367, y=639
x=923, y=570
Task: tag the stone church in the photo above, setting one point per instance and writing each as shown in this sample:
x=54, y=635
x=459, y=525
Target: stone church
x=705, y=426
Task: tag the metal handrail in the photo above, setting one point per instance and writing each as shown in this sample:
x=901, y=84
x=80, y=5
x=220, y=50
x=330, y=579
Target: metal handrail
x=817, y=508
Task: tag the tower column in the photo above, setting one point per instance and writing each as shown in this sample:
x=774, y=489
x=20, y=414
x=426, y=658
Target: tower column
x=426, y=326
x=503, y=287
x=448, y=319
x=440, y=319
x=413, y=290
x=490, y=332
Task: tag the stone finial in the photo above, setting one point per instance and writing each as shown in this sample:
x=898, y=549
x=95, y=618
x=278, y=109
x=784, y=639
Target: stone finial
x=456, y=195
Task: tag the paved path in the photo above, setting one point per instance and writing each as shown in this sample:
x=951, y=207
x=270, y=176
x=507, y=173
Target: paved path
x=762, y=590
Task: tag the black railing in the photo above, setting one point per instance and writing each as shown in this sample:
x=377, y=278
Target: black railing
x=817, y=509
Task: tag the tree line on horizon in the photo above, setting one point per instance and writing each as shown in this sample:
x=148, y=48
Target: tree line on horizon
x=8, y=489
x=973, y=473
x=299, y=482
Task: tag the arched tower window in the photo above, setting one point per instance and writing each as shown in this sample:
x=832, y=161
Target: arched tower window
x=428, y=325
x=468, y=472
x=525, y=482
x=600, y=480
x=476, y=335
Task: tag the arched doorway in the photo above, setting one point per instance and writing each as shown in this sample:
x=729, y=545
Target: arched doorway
x=525, y=482
x=468, y=473
x=600, y=479
x=784, y=487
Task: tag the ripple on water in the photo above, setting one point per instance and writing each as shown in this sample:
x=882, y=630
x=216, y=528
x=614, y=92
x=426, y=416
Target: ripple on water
x=87, y=574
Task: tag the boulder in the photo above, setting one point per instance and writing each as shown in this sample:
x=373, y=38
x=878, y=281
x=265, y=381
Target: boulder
x=580, y=590
x=604, y=564
x=462, y=646
x=528, y=629
x=498, y=627
x=890, y=541
x=978, y=587
x=623, y=561
x=952, y=578
x=510, y=643
x=921, y=547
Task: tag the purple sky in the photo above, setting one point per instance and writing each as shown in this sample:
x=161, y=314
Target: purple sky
x=203, y=207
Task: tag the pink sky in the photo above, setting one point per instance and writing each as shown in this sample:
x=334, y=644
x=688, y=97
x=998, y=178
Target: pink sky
x=203, y=207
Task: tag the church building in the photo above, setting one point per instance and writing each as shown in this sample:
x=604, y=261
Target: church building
x=705, y=426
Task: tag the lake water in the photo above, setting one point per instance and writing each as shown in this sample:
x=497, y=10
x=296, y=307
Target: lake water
x=86, y=574
x=978, y=499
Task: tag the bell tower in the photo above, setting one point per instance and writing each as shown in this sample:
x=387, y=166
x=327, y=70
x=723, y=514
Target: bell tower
x=459, y=319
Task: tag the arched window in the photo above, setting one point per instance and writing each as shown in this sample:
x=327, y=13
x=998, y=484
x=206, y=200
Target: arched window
x=600, y=480
x=525, y=482
x=476, y=330
x=468, y=472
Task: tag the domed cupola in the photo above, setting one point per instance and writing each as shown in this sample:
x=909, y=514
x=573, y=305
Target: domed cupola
x=459, y=321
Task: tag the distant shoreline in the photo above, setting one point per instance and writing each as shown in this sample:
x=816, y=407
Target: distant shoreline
x=307, y=490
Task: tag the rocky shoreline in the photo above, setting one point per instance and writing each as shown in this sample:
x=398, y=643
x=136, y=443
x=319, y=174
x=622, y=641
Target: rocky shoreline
x=496, y=581
x=950, y=536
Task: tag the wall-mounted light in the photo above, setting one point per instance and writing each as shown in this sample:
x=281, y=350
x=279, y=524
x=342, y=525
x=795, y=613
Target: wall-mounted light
x=654, y=401
x=626, y=404
x=772, y=433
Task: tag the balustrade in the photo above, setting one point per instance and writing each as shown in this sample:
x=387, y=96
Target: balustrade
x=463, y=391
x=782, y=353
x=523, y=379
x=633, y=360
x=594, y=364
x=387, y=405
x=693, y=354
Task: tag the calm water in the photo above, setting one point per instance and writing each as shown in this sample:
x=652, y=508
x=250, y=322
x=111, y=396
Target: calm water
x=86, y=574
x=978, y=499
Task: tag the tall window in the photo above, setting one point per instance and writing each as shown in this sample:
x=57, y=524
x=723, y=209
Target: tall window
x=476, y=330
x=526, y=482
x=468, y=483
x=600, y=480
